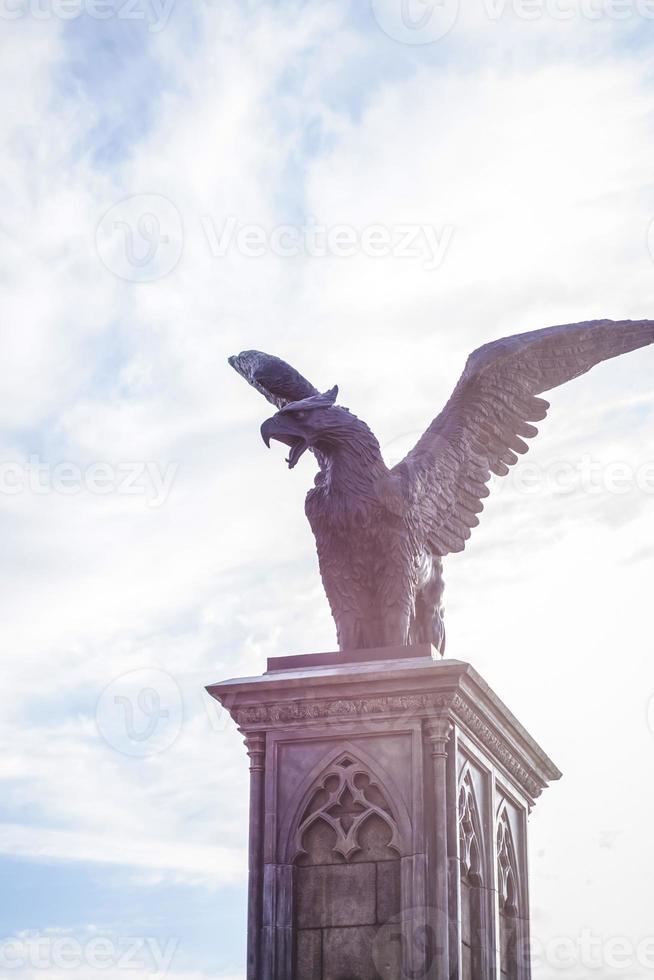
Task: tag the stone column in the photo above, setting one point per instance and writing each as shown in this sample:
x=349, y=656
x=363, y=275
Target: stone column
x=437, y=733
x=255, y=744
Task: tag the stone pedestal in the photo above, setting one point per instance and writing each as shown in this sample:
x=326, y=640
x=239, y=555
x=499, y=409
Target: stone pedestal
x=388, y=819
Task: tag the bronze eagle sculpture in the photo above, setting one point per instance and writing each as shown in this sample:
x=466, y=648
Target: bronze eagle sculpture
x=382, y=533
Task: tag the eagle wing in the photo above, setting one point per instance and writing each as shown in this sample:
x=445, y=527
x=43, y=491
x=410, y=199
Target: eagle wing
x=273, y=378
x=490, y=414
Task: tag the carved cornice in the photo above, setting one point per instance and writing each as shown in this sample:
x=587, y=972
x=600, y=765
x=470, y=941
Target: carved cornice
x=392, y=704
x=498, y=746
x=396, y=706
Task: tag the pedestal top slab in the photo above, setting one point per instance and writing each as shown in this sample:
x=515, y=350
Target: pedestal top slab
x=343, y=658
x=402, y=682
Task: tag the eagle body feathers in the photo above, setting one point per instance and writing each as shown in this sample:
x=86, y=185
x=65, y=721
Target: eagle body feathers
x=381, y=534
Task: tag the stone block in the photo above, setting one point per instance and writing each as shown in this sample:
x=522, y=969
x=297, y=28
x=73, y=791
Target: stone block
x=309, y=954
x=336, y=895
x=348, y=954
x=388, y=890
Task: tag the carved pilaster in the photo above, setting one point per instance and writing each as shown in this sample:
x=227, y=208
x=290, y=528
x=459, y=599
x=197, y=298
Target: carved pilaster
x=437, y=734
x=255, y=745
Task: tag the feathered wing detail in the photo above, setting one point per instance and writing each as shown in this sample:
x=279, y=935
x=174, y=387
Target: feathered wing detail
x=273, y=378
x=484, y=424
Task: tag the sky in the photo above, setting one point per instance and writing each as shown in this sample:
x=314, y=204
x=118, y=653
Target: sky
x=371, y=191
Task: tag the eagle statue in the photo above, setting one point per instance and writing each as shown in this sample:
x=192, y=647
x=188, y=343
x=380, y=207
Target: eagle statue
x=382, y=533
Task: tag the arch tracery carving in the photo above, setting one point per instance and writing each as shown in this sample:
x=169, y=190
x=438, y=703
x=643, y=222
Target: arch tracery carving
x=507, y=867
x=470, y=836
x=473, y=873
x=508, y=884
x=346, y=796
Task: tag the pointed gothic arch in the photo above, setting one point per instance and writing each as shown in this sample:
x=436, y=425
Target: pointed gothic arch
x=471, y=837
x=346, y=799
x=382, y=790
x=349, y=831
x=474, y=899
x=509, y=898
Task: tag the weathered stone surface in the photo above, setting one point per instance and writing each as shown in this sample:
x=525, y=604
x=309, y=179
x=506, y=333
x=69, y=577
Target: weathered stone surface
x=376, y=792
x=388, y=890
x=318, y=842
x=308, y=963
x=336, y=895
x=374, y=838
x=348, y=954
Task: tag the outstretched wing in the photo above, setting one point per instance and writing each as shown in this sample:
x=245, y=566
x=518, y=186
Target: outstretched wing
x=275, y=379
x=485, y=422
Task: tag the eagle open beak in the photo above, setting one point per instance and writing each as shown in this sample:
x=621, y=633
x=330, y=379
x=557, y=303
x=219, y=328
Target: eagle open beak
x=282, y=431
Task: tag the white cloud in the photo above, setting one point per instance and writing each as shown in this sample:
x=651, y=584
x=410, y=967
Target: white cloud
x=541, y=164
x=204, y=865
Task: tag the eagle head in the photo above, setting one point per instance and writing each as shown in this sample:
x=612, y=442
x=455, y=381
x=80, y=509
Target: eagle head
x=311, y=423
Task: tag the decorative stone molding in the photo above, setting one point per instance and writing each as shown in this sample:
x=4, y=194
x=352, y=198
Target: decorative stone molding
x=263, y=714
x=345, y=797
x=465, y=713
x=255, y=746
x=437, y=732
x=383, y=705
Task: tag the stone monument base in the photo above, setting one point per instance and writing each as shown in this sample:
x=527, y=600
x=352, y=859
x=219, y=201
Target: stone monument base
x=389, y=799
